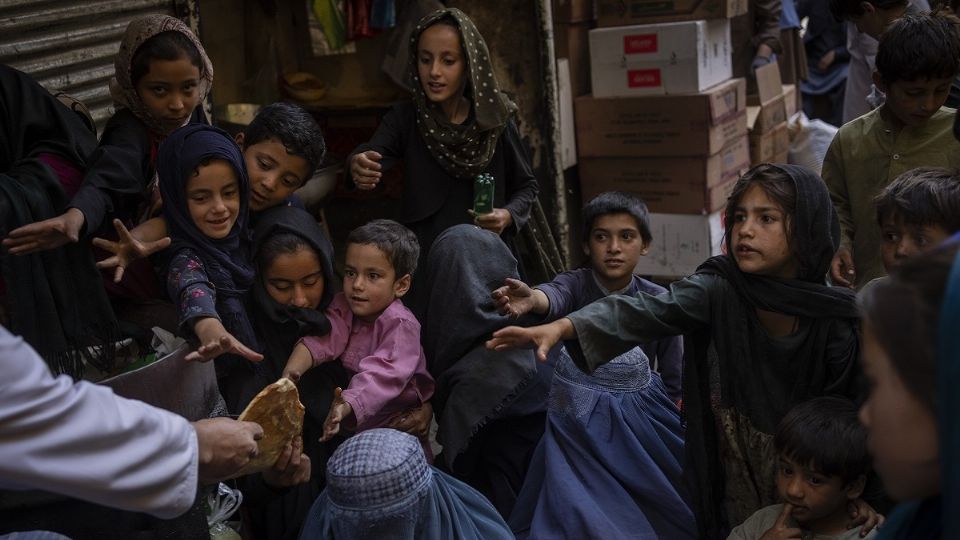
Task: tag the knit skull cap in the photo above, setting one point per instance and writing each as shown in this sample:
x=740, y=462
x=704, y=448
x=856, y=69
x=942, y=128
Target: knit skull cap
x=375, y=469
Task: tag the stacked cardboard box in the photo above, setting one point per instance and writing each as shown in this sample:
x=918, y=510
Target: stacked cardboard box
x=767, y=117
x=665, y=121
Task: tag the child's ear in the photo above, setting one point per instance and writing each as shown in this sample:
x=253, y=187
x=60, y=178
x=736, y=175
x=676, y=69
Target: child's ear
x=401, y=286
x=586, y=249
x=239, y=138
x=879, y=82
x=855, y=489
x=645, y=248
x=867, y=8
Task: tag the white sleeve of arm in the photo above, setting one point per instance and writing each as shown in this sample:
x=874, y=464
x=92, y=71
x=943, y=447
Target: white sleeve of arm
x=83, y=441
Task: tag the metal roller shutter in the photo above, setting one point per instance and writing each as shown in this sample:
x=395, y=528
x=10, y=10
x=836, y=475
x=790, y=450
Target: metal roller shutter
x=70, y=46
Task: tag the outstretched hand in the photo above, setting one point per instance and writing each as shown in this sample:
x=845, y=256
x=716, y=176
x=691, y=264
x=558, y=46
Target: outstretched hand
x=223, y=345
x=542, y=338
x=291, y=468
x=47, y=234
x=514, y=299
x=126, y=249
x=339, y=411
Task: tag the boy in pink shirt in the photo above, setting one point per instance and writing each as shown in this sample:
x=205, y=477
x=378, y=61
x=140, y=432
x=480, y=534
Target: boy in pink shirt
x=372, y=333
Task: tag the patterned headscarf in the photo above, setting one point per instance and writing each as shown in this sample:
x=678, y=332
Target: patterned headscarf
x=138, y=31
x=462, y=150
x=226, y=260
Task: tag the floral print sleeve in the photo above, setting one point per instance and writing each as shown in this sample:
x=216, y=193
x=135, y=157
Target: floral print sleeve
x=189, y=287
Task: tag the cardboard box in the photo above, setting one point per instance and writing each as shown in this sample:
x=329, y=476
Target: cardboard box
x=765, y=147
x=681, y=243
x=571, y=41
x=568, y=143
x=625, y=12
x=681, y=125
x=767, y=109
x=675, y=185
x=791, y=100
x=670, y=58
x=568, y=11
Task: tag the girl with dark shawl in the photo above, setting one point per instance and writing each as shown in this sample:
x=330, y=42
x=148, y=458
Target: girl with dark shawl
x=456, y=126
x=490, y=407
x=380, y=487
x=609, y=463
x=120, y=179
x=285, y=308
x=203, y=182
x=55, y=300
x=911, y=355
x=764, y=332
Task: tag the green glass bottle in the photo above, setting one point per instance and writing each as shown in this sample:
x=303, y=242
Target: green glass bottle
x=483, y=194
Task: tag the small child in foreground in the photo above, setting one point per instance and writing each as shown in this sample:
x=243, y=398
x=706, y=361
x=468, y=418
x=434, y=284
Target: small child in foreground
x=823, y=465
x=372, y=333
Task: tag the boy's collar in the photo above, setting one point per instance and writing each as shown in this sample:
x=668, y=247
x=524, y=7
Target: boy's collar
x=604, y=290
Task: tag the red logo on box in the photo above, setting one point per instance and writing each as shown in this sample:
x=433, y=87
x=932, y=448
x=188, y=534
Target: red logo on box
x=639, y=44
x=643, y=78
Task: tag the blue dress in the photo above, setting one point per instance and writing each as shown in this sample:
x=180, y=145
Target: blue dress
x=609, y=463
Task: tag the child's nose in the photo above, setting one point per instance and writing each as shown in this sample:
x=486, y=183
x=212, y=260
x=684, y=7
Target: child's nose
x=300, y=297
x=269, y=182
x=795, y=488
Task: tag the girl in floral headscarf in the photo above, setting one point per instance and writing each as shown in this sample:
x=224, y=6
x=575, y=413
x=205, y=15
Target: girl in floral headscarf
x=456, y=126
x=162, y=75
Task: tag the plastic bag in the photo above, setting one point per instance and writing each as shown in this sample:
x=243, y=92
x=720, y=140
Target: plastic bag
x=809, y=141
x=221, y=504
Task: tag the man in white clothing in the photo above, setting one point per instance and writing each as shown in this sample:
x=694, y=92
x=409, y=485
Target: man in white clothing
x=83, y=441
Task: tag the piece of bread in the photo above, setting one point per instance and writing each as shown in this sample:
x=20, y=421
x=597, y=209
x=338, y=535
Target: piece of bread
x=278, y=410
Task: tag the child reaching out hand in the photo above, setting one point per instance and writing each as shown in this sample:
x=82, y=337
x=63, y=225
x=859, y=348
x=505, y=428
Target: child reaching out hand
x=616, y=234
x=205, y=191
x=375, y=337
x=765, y=333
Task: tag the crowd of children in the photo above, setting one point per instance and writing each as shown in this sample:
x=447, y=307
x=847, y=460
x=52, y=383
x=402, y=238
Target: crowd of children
x=760, y=397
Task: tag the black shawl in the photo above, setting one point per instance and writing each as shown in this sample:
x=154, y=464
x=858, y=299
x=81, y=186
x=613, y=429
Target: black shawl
x=474, y=385
x=279, y=327
x=55, y=298
x=824, y=363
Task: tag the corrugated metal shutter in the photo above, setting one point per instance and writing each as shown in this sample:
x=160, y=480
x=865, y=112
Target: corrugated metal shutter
x=70, y=46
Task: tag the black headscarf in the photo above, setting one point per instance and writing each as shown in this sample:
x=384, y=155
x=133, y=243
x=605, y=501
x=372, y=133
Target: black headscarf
x=474, y=385
x=747, y=364
x=463, y=150
x=226, y=260
x=279, y=326
x=56, y=297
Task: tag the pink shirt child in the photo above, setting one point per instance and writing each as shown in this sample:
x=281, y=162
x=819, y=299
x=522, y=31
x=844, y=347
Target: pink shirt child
x=386, y=362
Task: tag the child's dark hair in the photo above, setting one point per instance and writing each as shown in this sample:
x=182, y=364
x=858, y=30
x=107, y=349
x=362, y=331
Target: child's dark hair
x=294, y=127
x=920, y=46
x=617, y=202
x=281, y=244
x=778, y=186
x=843, y=10
x=904, y=315
x=826, y=435
x=170, y=46
x=925, y=196
x=397, y=242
